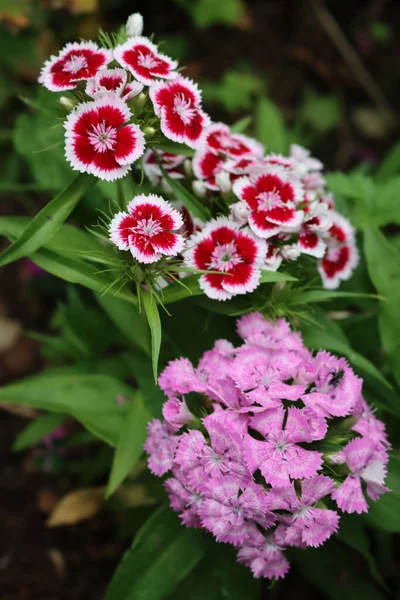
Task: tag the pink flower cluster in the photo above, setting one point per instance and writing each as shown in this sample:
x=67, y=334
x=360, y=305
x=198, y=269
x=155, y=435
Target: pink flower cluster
x=266, y=444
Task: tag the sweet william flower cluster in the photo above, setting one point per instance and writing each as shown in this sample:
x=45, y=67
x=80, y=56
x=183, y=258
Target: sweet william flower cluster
x=265, y=209
x=266, y=444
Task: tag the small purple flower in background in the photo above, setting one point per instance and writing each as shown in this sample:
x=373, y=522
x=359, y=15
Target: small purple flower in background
x=252, y=469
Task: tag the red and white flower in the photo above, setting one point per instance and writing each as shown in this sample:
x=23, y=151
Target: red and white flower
x=171, y=163
x=141, y=57
x=272, y=197
x=76, y=62
x=148, y=229
x=113, y=81
x=221, y=151
x=178, y=104
x=341, y=256
x=236, y=254
x=100, y=140
x=317, y=221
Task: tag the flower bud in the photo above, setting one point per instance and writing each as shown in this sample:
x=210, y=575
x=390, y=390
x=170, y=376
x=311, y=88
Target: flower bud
x=134, y=25
x=149, y=131
x=66, y=102
x=290, y=252
x=187, y=167
x=240, y=213
x=199, y=189
x=137, y=273
x=140, y=101
x=223, y=181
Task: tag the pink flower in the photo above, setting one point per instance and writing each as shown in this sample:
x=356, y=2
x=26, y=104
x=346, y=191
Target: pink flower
x=335, y=388
x=99, y=139
x=114, y=81
x=204, y=462
x=76, y=62
x=341, y=257
x=360, y=458
x=141, y=57
x=273, y=335
x=279, y=456
x=236, y=256
x=180, y=377
x=271, y=197
x=184, y=499
x=147, y=229
x=178, y=105
x=262, y=376
x=176, y=413
x=306, y=524
x=263, y=554
x=160, y=446
x=226, y=512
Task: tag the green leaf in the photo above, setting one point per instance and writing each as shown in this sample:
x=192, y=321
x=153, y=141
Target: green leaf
x=91, y=399
x=322, y=112
x=270, y=127
x=272, y=276
x=128, y=319
x=385, y=513
x=194, y=206
x=37, y=430
x=352, y=533
x=174, y=148
x=179, y=290
x=130, y=444
x=163, y=553
x=153, y=396
x=67, y=240
x=206, y=13
x=48, y=221
x=153, y=319
x=310, y=296
x=241, y=125
x=331, y=571
x=330, y=337
x=77, y=271
x=390, y=164
x=383, y=262
x=385, y=206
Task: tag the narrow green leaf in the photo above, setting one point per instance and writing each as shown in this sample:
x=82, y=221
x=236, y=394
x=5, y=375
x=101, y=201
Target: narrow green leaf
x=272, y=276
x=130, y=444
x=48, y=221
x=310, y=296
x=270, y=127
x=193, y=204
x=36, y=430
x=77, y=271
x=128, y=319
x=153, y=319
x=390, y=165
x=383, y=262
x=174, y=148
x=91, y=399
x=141, y=369
x=163, y=553
x=242, y=125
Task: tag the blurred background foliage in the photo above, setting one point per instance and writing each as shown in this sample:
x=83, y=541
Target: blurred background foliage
x=324, y=74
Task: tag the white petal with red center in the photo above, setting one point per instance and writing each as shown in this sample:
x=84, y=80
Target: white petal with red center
x=116, y=228
x=312, y=244
x=184, y=124
x=211, y=286
x=105, y=81
x=131, y=144
x=75, y=62
x=166, y=208
x=164, y=91
x=141, y=57
x=261, y=227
